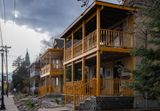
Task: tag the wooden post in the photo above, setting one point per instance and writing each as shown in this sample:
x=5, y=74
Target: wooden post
x=98, y=73
x=98, y=28
x=83, y=75
x=72, y=52
x=98, y=52
x=83, y=36
x=64, y=49
x=132, y=28
x=64, y=84
x=83, y=70
x=72, y=72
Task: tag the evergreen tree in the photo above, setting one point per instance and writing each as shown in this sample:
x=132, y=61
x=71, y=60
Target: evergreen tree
x=27, y=59
x=147, y=74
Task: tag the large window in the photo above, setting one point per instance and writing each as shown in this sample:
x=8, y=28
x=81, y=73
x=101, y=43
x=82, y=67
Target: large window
x=68, y=74
x=78, y=72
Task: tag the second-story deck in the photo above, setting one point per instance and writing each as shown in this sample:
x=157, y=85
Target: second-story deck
x=101, y=27
x=52, y=69
x=109, y=39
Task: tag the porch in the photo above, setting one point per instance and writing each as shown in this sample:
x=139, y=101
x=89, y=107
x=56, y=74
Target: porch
x=109, y=39
x=50, y=85
x=82, y=78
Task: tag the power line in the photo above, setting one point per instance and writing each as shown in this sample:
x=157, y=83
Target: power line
x=4, y=11
x=1, y=34
x=14, y=10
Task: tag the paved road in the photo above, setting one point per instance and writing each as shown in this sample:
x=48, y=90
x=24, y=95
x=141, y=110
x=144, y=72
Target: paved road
x=9, y=104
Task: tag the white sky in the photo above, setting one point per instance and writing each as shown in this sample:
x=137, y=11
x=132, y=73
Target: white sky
x=20, y=38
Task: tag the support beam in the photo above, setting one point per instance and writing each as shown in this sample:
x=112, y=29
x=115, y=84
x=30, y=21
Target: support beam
x=132, y=29
x=83, y=70
x=83, y=35
x=64, y=49
x=64, y=84
x=98, y=73
x=72, y=71
x=64, y=75
x=72, y=51
x=98, y=27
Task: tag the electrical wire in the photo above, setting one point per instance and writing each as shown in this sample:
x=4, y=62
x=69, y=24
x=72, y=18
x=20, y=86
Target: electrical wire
x=14, y=10
x=4, y=11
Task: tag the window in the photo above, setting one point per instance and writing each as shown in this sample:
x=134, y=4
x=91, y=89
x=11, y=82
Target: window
x=56, y=81
x=108, y=72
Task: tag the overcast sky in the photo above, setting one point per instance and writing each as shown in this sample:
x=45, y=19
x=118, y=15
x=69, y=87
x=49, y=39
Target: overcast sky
x=35, y=20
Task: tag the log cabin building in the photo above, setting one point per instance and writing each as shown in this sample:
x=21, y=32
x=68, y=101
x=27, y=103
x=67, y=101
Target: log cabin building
x=97, y=48
x=51, y=78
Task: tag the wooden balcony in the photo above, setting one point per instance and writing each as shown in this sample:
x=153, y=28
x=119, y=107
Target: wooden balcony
x=113, y=87
x=43, y=90
x=108, y=39
x=52, y=69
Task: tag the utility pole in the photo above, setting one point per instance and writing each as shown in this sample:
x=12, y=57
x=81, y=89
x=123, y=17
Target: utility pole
x=2, y=99
x=6, y=51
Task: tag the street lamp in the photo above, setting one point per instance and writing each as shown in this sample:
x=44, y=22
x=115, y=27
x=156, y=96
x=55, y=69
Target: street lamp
x=2, y=93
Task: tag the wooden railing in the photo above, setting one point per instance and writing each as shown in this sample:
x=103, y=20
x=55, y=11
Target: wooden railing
x=52, y=68
x=85, y=91
x=108, y=38
x=113, y=38
x=90, y=41
x=43, y=90
x=117, y=87
x=68, y=53
x=78, y=91
x=77, y=48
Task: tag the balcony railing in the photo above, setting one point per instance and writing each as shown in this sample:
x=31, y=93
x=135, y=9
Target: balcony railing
x=43, y=90
x=77, y=48
x=52, y=69
x=90, y=41
x=108, y=38
x=68, y=54
x=116, y=87
x=112, y=38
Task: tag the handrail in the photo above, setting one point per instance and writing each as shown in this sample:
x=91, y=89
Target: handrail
x=84, y=91
x=114, y=38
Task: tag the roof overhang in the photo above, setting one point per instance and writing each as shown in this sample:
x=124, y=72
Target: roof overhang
x=93, y=6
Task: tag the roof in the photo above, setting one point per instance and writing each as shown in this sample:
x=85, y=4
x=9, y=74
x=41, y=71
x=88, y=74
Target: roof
x=92, y=7
x=58, y=43
x=51, y=50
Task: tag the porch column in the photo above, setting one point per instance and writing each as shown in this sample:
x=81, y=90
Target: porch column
x=98, y=51
x=98, y=27
x=64, y=84
x=72, y=52
x=83, y=70
x=72, y=71
x=64, y=54
x=83, y=35
x=64, y=75
x=98, y=73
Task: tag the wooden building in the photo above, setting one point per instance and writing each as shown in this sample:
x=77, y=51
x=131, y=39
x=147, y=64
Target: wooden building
x=51, y=78
x=97, y=49
x=34, y=70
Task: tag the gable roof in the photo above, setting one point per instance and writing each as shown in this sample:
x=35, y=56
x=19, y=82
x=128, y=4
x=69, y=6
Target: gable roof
x=58, y=43
x=92, y=8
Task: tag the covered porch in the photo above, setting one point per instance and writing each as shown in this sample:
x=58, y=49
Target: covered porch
x=50, y=85
x=99, y=74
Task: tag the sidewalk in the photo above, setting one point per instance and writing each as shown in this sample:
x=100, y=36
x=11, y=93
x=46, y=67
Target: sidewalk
x=55, y=109
x=9, y=104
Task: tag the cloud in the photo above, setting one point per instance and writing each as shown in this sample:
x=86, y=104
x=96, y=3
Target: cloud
x=47, y=15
